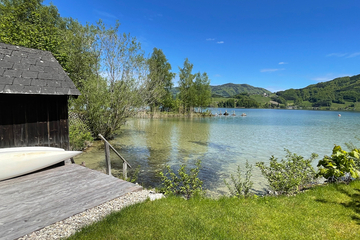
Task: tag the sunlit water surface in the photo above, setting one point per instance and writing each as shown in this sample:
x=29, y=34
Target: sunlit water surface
x=223, y=143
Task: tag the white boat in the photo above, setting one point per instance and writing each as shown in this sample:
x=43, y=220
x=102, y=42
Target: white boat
x=19, y=161
x=29, y=149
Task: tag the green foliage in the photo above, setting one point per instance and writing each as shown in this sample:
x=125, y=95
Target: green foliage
x=160, y=77
x=289, y=175
x=231, y=89
x=203, y=90
x=119, y=84
x=240, y=100
x=186, y=85
x=242, y=186
x=193, y=93
x=338, y=90
x=79, y=133
x=340, y=163
x=30, y=24
x=183, y=183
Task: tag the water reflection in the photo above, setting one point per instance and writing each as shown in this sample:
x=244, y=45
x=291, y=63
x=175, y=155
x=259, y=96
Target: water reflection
x=223, y=143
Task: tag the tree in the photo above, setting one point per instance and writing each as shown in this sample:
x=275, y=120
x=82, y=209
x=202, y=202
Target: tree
x=30, y=24
x=120, y=85
x=82, y=56
x=203, y=90
x=160, y=79
x=186, y=85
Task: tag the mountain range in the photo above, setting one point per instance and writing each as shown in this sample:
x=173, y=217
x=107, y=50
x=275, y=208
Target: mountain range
x=231, y=89
x=338, y=90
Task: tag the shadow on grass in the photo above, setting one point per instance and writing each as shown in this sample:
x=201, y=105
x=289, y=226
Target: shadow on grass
x=353, y=204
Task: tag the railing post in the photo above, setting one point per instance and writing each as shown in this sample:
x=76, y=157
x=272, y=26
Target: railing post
x=125, y=170
x=107, y=158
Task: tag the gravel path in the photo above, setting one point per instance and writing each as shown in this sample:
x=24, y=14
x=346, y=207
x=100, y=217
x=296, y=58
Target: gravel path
x=70, y=225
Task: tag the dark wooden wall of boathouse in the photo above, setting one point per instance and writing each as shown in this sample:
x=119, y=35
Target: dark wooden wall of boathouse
x=34, y=92
x=33, y=120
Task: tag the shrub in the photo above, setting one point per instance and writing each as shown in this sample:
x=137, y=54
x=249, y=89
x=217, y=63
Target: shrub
x=79, y=133
x=340, y=164
x=184, y=183
x=242, y=186
x=289, y=175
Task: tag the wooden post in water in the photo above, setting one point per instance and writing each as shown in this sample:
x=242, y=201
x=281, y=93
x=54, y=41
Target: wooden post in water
x=125, y=170
x=107, y=158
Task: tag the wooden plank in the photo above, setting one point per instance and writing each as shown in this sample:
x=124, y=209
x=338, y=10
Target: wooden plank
x=63, y=127
x=53, y=121
x=107, y=158
x=36, y=200
x=19, y=121
x=32, y=122
x=7, y=123
x=42, y=117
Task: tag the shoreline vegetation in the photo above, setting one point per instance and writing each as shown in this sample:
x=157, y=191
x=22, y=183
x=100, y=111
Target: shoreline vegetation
x=294, y=210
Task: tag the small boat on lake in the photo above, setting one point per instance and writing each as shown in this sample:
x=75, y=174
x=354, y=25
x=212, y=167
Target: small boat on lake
x=226, y=113
x=233, y=114
x=19, y=161
x=243, y=114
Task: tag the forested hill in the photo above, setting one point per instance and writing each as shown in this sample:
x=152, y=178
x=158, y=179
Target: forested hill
x=231, y=89
x=339, y=90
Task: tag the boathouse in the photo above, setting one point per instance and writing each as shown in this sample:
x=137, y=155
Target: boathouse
x=34, y=93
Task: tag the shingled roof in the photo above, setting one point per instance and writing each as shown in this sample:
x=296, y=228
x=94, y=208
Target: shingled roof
x=31, y=71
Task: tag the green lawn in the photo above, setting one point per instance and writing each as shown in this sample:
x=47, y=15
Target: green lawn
x=324, y=212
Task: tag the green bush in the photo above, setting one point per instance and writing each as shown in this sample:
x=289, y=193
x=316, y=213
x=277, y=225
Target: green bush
x=79, y=133
x=242, y=186
x=183, y=183
x=340, y=164
x=289, y=175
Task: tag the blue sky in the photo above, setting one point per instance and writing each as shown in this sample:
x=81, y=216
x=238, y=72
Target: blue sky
x=273, y=44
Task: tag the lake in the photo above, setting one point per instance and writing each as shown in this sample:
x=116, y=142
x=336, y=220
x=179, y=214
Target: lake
x=224, y=142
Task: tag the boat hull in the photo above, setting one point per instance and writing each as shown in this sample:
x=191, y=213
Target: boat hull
x=16, y=163
x=29, y=149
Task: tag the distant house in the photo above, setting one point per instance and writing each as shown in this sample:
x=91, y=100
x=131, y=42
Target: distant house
x=34, y=92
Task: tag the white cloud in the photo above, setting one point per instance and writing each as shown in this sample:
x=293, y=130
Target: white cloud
x=328, y=77
x=321, y=79
x=272, y=69
x=210, y=39
x=336, y=55
x=353, y=55
x=221, y=42
x=281, y=63
x=105, y=14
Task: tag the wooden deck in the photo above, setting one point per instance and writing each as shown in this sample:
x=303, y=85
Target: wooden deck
x=34, y=201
